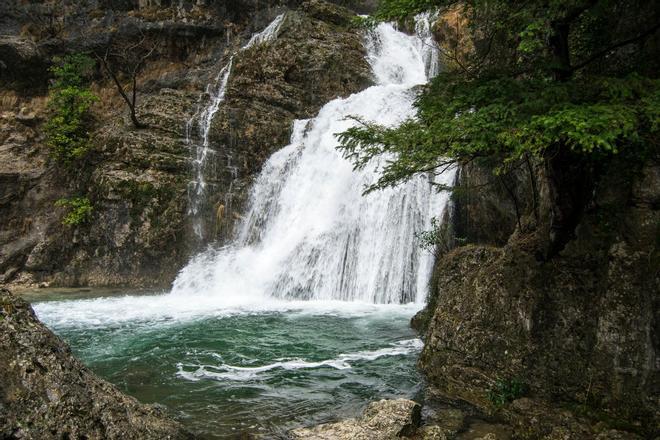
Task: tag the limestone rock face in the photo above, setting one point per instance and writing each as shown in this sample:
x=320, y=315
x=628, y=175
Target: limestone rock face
x=45, y=393
x=385, y=419
x=579, y=330
x=137, y=180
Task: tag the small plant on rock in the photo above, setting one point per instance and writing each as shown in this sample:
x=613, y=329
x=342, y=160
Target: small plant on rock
x=79, y=210
x=506, y=391
x=69, y=102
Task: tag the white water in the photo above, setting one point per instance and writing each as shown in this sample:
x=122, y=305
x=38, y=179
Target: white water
x=195, y=372
x=309, y=232
x=197, y=190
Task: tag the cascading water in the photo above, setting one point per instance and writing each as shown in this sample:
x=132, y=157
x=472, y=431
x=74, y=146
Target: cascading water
x=309, y=232
x=197, y=189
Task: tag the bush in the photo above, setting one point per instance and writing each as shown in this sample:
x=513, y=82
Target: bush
x=69, y=102
x=506, y=391
x=79, y=210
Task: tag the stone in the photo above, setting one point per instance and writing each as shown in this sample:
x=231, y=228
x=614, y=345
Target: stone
x=385, y=419
x=576, y=330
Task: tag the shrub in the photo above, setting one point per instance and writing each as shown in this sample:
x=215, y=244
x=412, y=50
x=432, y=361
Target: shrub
x=506, y=391
x=79, y=210
x=69, y=102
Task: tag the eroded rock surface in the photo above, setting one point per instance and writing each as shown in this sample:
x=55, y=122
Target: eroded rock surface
x=45, y=393
x=579, y=331
x=385, y=419
x=137, y=180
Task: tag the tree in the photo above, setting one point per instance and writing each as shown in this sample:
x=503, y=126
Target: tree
x=69, y=102
x=567, y=82
x=126, y=60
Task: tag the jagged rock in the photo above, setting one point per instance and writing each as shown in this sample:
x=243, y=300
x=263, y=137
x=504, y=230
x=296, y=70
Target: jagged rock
x=45, y=393
x=386, y=419
x=576, y=329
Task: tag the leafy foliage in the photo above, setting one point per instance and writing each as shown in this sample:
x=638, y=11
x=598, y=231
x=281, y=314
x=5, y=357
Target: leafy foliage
x=79, y=210
x=506, y=391
x=542, y=76
x=69, y=102
x=505, y=118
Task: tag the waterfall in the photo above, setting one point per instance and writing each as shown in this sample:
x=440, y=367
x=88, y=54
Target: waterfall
x=309, y=232
x=197, y=189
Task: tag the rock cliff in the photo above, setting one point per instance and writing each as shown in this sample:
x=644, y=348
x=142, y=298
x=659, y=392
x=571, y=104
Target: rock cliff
x=563, y=348
x=137, y=179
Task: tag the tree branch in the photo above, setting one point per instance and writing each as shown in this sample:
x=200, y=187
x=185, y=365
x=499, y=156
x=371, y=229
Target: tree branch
x=602, y=53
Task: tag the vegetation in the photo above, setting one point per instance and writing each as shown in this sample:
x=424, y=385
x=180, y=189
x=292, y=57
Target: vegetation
x=79, y=210
x=69, y=102
x=506, y=391
x=565, y=84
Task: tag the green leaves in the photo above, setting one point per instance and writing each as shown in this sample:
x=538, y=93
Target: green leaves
x=69, y=102
x=503, y=118
x=79, y=210
x=71, y=70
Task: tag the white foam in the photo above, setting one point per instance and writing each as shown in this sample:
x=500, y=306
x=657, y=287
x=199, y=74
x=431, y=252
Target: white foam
x=343, y=361
x=173, y=309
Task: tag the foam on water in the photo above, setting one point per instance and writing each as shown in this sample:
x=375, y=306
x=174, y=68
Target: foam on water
x=223, y=371
x=166, y=309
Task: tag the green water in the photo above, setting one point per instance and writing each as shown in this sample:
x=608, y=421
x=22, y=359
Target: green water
x=260, y=371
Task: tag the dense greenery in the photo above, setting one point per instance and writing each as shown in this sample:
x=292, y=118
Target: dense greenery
x=562, y=83
x=69, y=102
x=79, y=210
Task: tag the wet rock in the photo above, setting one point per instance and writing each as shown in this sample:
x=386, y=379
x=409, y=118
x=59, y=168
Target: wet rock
x=45, y=393
x=386, y=419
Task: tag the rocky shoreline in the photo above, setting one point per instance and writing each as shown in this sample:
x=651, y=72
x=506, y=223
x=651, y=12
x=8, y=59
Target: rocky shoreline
x=45, y=392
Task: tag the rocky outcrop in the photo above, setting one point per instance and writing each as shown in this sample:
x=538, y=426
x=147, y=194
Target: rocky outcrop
x=45, y=393
x=385, y=419
x=565, y=346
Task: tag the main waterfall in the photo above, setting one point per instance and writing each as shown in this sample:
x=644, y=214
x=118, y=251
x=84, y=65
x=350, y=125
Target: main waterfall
x=309, y=232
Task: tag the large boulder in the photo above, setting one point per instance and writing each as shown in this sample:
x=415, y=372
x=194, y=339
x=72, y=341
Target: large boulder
x=46, y=393
x=578, y=331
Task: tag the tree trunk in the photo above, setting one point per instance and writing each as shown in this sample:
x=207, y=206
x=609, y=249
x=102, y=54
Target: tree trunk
x=570, y=185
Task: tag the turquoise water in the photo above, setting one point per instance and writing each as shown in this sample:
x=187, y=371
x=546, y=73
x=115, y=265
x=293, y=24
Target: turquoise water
x=262, y=369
